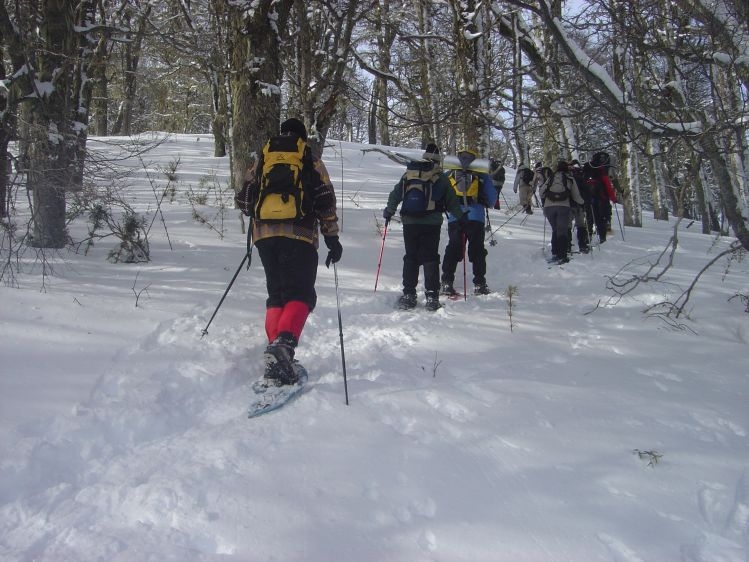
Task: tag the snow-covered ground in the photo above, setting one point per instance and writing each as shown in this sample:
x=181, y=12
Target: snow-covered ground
x=123, y=434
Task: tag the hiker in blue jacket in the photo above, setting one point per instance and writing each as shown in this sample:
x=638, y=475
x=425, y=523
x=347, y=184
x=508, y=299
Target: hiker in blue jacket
x=424, y=194
x=476, y=192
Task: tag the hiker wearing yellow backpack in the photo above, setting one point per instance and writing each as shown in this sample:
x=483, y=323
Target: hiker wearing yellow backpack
x=423, y=194
x=290, y=196
x=476, y=193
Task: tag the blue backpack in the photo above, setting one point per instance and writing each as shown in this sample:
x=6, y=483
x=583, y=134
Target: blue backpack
x=417, y=188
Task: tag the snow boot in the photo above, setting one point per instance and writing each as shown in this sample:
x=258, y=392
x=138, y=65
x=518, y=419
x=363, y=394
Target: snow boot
x=279, y=359
x=481, y=289
x=433, y=301
x=407, y=301
x=448, y=290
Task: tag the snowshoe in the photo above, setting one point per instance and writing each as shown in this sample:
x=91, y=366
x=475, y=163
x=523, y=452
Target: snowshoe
x=481, y=289
x=267, y=396
x=407, y=301
x=448, y=290
x=433, y=303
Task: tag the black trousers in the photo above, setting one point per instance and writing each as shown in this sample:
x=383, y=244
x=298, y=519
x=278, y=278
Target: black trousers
x=422, y=243
x=290, y=270
x=602, y=213
x=559, y=219
x=474, y=233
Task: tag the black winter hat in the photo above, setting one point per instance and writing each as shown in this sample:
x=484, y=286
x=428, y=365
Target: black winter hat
x=294, y=126
x=432, y=152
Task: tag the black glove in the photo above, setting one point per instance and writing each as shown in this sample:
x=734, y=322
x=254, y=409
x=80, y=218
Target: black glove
x=335, y=250
x=387, y=214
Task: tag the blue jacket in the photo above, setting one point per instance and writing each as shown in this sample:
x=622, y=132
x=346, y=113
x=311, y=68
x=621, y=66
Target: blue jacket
x=487, y=198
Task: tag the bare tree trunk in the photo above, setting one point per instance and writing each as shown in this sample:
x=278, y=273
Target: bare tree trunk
x=255, y=88
x=384, y=43
x=731, y=202
x=431, y=128
x=97, y=71
x=7, y=110
x=372, y=113
x=100, y=100
x=466, y=61
x=220, y=113
x=628, y=180
x=518, y=108
x=53, y=147
x=657, y=180
x=130, y=62
x=383, y=114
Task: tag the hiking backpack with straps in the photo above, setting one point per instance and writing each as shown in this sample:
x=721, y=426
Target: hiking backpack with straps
x=465, y=185
x=418, y=183
x=526, y=174
x=281, y=193
x=559, y=196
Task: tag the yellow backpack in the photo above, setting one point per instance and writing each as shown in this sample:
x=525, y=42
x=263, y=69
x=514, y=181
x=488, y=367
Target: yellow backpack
x=281, y=193
x=465, y=184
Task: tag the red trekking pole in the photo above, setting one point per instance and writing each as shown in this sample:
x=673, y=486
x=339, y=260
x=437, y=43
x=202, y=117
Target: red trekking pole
x=382, y=249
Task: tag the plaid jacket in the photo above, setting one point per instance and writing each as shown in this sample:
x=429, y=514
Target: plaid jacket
x=322, y=218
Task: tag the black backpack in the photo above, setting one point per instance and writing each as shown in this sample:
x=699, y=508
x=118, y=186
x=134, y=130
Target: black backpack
x=600, y=159
x=526, y=174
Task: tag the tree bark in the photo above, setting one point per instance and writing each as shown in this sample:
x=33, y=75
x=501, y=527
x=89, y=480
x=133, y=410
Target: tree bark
x=131, y=60
x=255, y=80
x=53, y=148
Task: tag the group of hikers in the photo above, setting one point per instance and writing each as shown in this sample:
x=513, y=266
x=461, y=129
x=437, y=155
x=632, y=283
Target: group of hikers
x=289, y=195
x=426, y=192
x=571, y=195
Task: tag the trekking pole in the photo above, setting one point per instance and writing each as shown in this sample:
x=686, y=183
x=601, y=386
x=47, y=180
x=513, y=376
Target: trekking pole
x=587, y=232
x=340, y=332
x=621, y=229
x=488, y=228
x=382, y=249
x=465, y=283
x=505, y=199
x=595, y=223
x=247, y=258
x=508, y=220
x=543, y=247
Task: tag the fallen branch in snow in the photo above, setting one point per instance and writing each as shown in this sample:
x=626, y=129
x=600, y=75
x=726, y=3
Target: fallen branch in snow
x=138, y=293
x=434, y=366
x=667, y=310
x=653, y=457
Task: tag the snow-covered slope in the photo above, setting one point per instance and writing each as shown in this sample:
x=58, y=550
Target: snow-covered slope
x=123, y=433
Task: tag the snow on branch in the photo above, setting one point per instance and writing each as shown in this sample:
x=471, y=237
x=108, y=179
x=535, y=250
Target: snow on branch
x=608, y=86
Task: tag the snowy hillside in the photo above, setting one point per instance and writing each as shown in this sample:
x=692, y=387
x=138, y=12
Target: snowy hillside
x=123, y=434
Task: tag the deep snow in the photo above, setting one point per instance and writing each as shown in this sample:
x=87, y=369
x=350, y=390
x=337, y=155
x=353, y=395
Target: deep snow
x=124, y=435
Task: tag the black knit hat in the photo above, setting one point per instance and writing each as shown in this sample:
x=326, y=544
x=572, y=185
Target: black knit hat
x=431, y=152
x=294, y=126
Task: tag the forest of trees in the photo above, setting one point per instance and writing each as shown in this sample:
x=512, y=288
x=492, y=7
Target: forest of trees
x=662, y=85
